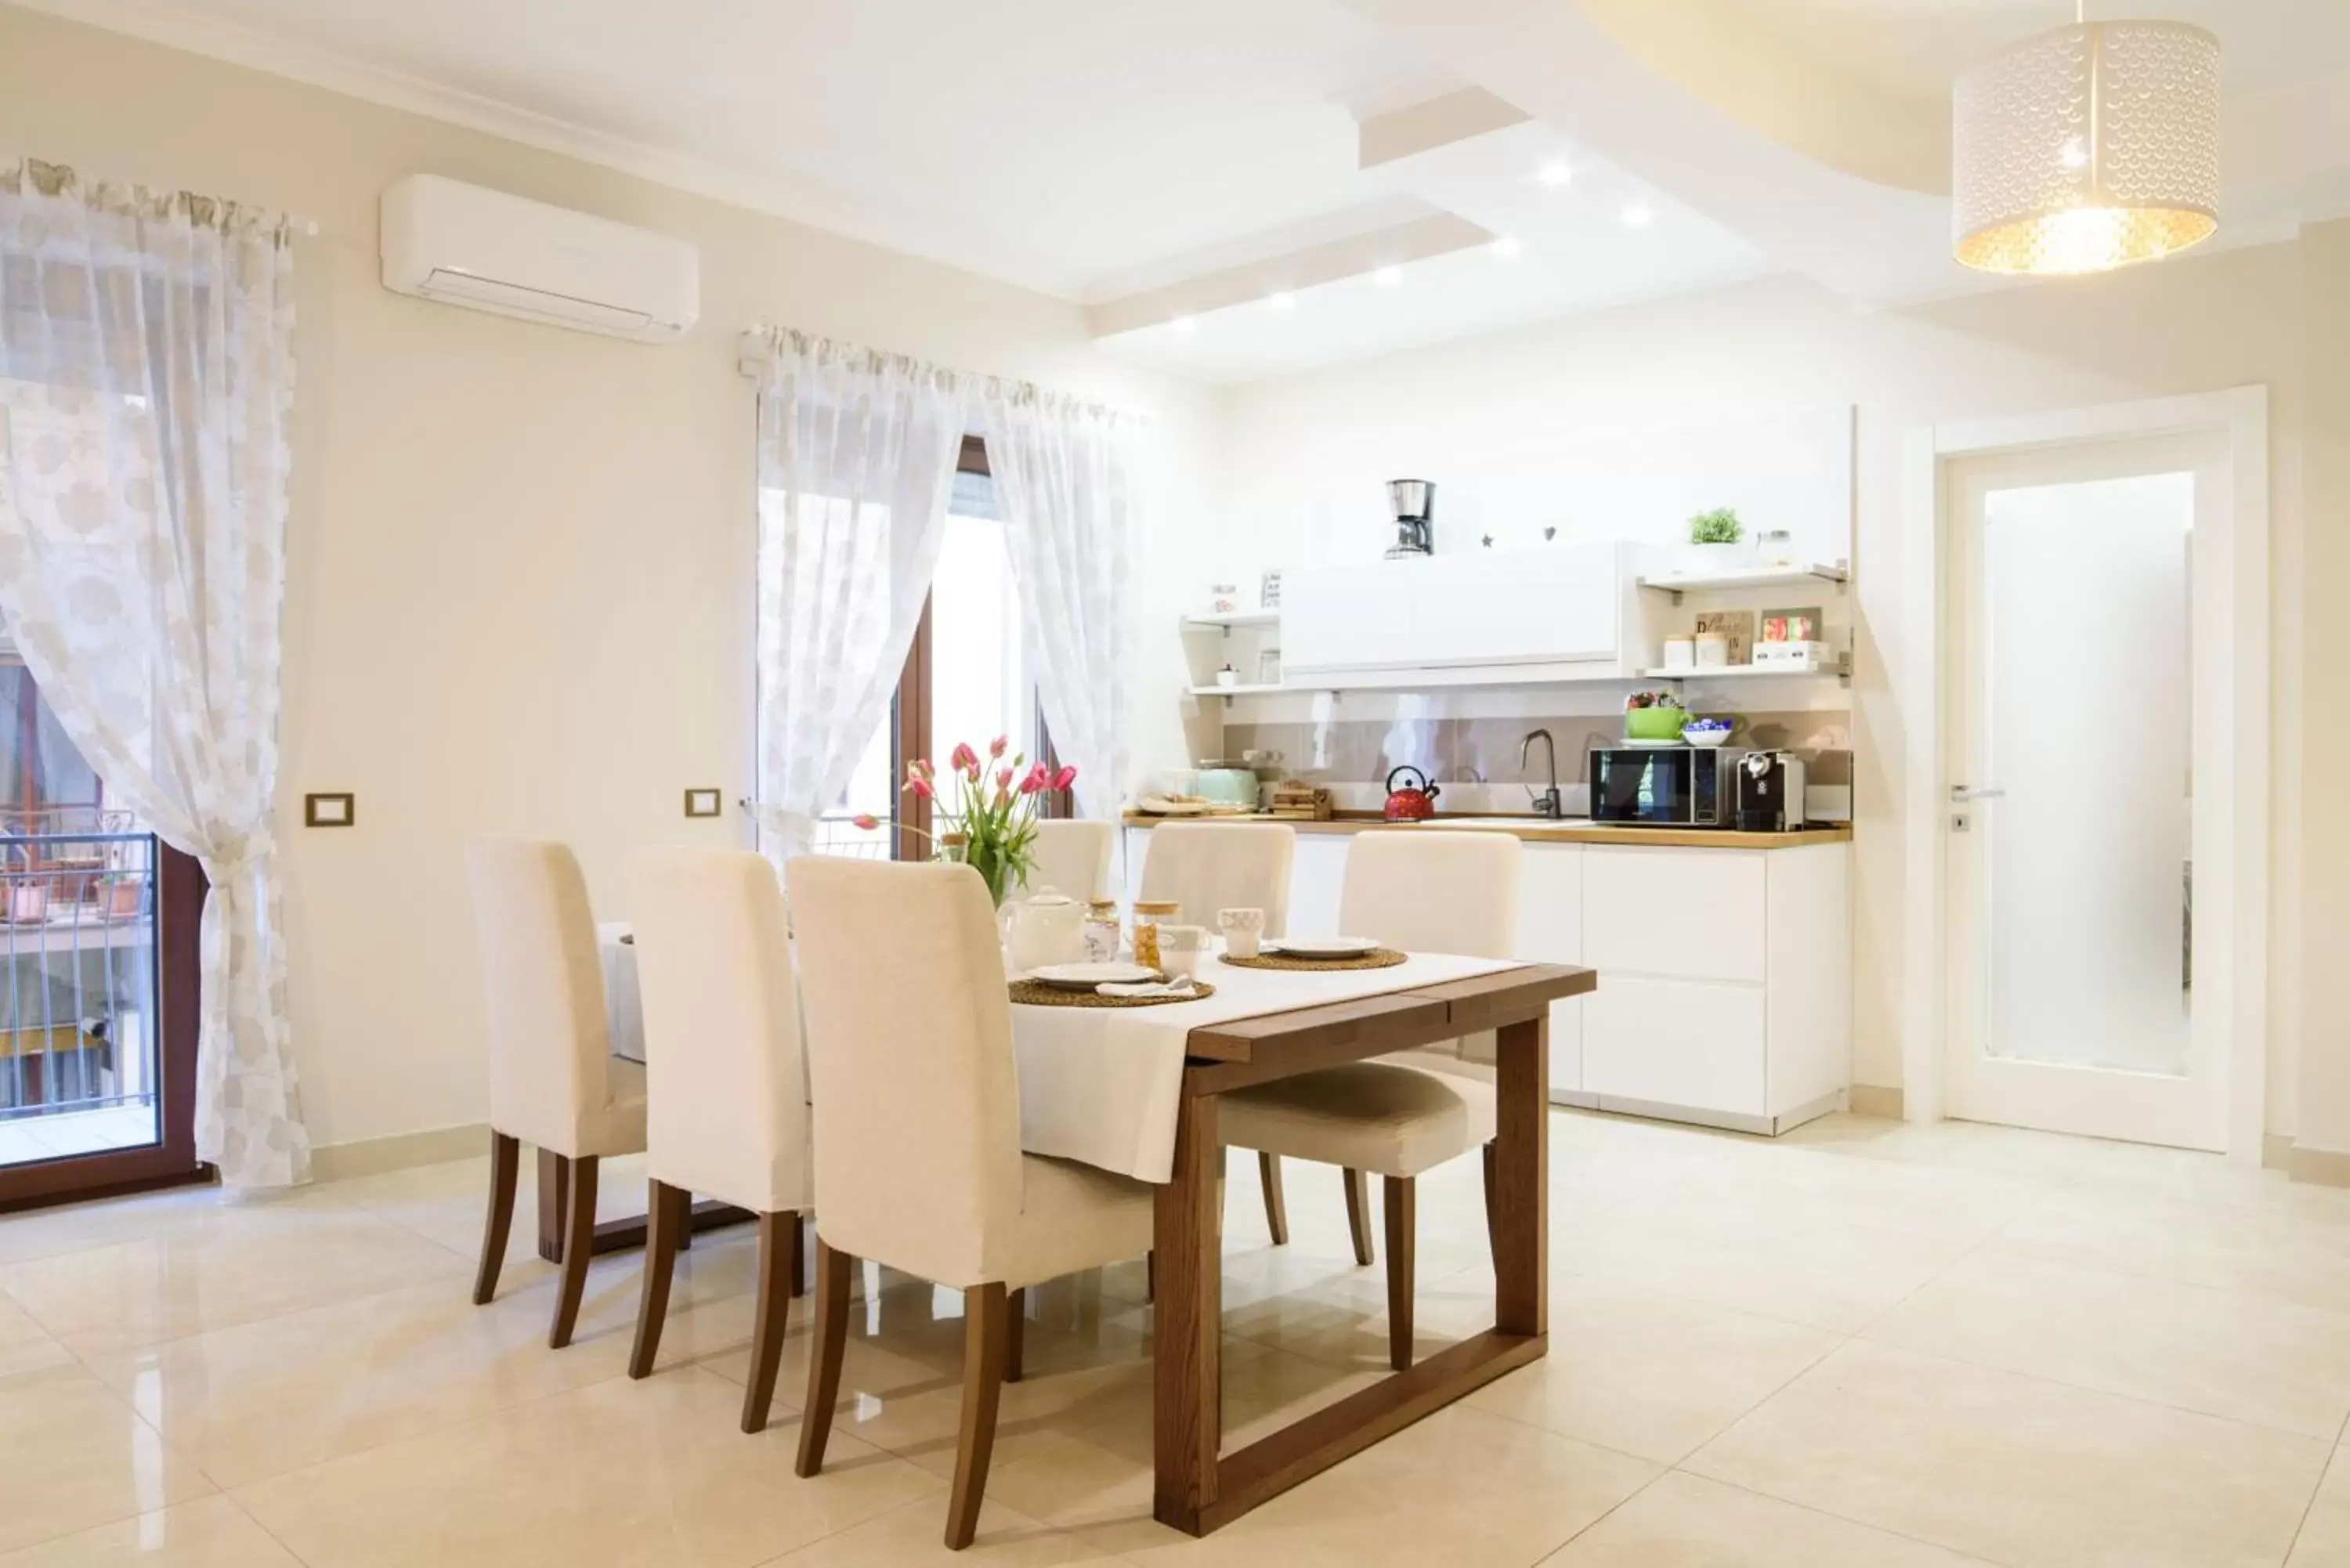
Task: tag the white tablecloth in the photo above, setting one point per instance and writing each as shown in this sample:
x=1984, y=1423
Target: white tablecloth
x=1101, y=1085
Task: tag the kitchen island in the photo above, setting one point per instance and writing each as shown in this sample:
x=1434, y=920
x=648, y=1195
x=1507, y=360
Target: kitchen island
x=1724, y=957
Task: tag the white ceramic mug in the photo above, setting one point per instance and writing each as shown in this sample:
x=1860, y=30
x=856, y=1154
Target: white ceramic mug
x=1242, y=929
x=1179, y=948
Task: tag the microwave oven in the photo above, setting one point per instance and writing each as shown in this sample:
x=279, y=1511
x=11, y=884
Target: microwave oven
x=1665, y=786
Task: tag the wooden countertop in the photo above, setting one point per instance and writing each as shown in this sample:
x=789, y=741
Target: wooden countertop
x=1544, y=830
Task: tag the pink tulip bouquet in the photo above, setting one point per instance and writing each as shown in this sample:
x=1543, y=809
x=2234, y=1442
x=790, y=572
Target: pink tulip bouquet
x=992, y=823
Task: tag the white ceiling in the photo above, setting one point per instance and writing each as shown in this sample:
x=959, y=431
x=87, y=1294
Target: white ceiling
x=1122, y=152
x=1917, y=46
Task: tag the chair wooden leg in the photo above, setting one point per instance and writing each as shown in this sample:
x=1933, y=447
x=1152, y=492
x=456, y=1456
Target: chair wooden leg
x=986, y=1314
x=831, y=1341
x=799, y=1255
x=1014, y=1332
x=579, y=1247
x=1150, y=1275
x=1402, y=1194
x=1358, y=1215
x=505, y=1163
x=771, y=1318
x=1276, y=1207
x=669, y=1217
x=1493, y=1236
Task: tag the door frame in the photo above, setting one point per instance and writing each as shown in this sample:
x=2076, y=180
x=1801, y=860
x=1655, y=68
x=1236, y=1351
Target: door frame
x=2234, y=610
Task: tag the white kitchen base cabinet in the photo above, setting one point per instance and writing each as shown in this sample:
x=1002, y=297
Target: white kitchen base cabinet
x=1725, y=983
x=1725, y=975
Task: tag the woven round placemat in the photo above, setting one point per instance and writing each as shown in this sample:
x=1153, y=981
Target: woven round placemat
x=1378, y=957
x=1036, y=993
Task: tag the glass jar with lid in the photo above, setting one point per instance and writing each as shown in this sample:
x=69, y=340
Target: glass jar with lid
x=1150, y=914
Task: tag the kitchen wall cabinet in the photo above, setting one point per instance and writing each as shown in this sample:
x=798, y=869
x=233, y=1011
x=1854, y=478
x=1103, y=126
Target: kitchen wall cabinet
x=1563, y=612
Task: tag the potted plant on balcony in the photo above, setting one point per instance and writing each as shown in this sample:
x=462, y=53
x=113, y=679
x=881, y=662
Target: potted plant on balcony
x=1717, y=544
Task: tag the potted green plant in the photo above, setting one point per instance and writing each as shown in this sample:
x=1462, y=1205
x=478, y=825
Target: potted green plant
x=1717, y=543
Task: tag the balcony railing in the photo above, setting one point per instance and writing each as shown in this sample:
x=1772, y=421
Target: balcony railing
x=77, y=974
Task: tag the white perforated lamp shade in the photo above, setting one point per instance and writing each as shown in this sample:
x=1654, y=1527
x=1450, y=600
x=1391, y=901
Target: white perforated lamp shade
x=2087, y=148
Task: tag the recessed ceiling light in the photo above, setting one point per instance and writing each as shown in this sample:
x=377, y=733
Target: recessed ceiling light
x=1282, y=299
x=1184, y=326
x=1507, y=247
x=1638, y=216
x=1387, y=276
x=1555, y=173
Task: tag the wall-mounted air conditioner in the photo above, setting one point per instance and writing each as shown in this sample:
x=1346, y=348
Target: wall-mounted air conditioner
x=464, y=244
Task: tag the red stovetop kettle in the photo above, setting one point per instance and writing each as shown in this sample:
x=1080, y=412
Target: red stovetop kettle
x=1409, y=805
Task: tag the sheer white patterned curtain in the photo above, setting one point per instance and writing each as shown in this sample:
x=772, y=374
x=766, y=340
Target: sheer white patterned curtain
x=1068, y=481
x=146, y=376
x=857, y=457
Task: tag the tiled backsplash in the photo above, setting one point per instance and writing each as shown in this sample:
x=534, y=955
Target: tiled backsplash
x=1485, y=750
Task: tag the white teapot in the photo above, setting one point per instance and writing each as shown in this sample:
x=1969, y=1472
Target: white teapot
x=1048, y=928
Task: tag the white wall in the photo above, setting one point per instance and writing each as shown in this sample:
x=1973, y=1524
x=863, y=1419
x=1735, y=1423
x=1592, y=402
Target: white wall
x=520, y=558
x=1479, y=417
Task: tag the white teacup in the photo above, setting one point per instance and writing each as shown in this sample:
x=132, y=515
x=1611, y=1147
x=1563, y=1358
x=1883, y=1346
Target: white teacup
x=1179, y=948
x=1242, y=928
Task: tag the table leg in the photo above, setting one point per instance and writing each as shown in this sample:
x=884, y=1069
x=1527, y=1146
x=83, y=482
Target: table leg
x=612, y=1235
x=1187, y=1324
x=554, y=1203
x=1521, y=1217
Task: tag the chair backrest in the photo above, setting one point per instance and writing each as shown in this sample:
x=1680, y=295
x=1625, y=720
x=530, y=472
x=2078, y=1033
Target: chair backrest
x=1073, y=857
x=1428, y=890
x=908, y=1024
x=727, y=1088
x=1211, y=865
x=550, y=1044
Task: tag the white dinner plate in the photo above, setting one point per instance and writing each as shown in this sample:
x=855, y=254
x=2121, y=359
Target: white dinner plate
x=1320, y=947
x=1085, y=976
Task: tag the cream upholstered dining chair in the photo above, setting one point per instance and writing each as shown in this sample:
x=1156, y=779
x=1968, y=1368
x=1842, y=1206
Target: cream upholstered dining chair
x=554, y=1081
x=729, y=1114
x=1071, y=856
x=1211, y=865
x=918, y=1158
x=1427, y=890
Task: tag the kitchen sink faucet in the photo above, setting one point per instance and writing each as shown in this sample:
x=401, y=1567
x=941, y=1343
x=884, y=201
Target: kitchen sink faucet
x=1547, y=803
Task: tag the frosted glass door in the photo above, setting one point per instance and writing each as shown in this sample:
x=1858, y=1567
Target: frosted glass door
x=2071, y=711
x=2087, y=738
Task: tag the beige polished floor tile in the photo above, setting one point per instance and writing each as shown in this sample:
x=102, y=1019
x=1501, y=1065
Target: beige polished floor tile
x=1829, y=1275
x=1460, y=1487
x=2019, y=1469
x=1647, y=1374
x=2324, y=1538
x=252, y=1263
x=26, y=1346
x=1685, y=1521
x=1789, y=1186
x=619, y=1475
x=73, y=1455
x=2249, y=1358
x=210, y=1532
x=259, y=1400
x=184, y=1212
x=913, y=1535
x=2283, y=1251
x=1955, y=1146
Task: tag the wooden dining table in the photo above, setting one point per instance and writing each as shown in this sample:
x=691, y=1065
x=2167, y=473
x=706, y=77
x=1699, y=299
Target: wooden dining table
x=1198, y=1486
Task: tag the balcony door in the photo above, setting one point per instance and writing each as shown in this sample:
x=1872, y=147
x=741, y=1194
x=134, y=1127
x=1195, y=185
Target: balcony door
x=99, y=1018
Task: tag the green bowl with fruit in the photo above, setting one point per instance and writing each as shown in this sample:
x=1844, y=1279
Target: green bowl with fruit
x=1654, y=716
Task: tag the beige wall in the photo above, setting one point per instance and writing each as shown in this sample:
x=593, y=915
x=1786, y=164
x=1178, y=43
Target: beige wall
x=2196, y=324
x=520, y=557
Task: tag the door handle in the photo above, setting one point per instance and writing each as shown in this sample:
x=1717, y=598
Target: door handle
x=1964, y=792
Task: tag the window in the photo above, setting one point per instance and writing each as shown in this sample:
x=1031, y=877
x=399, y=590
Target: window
x=966, y=679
